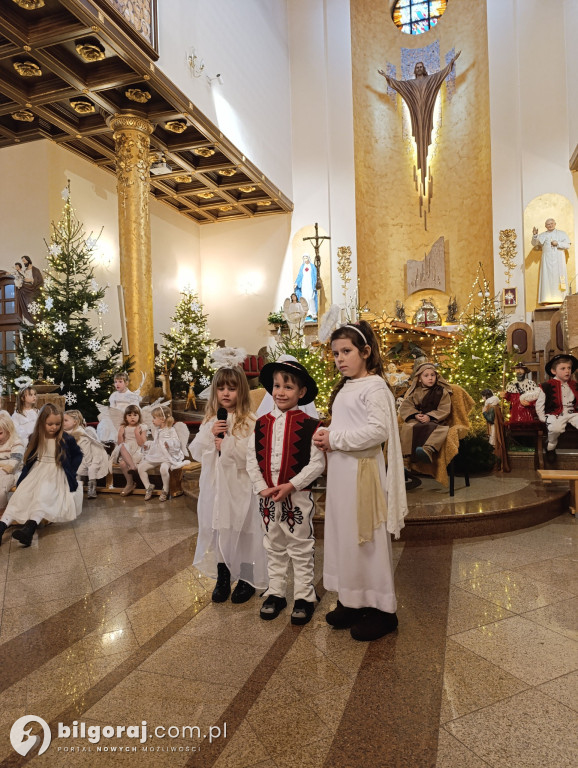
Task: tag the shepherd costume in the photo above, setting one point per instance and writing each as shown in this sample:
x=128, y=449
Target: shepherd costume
x=436, y=403
x=282, y=451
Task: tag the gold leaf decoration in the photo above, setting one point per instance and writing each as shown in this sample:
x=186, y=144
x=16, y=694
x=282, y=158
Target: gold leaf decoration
x=27, y=68
x=508, y=251
x=247, y=188
x=138, y=95
x=225, y=208
x=30, y=5
x=90, y=49
x=23, y=116
x=82, y=106
x=204, y=152
x=206, y=195
x=227, y=172
x=263, y=203
x=176, y=126
x=184, y=179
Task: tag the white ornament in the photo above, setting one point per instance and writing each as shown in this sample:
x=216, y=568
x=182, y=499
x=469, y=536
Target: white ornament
x=93, y=383
x=54, y=249
x=204, y=381
x=70, y=398
x=227, y=357
x=27, y=364
x=23, y=381
x=102, y=307
x=49, y=303
x=90, y=243
x=195, y=364
x=60, y=327
x=88, y=361
x=94, y=286
x=195, y=306
x=187, y=376
x=64, y=356
x=34, y=307
x=61, y=385
x=94, y=345
x=84, y=308
x=65, y=194
x=42, y=327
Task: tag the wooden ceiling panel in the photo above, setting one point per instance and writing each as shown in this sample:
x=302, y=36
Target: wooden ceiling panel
x=77, y=67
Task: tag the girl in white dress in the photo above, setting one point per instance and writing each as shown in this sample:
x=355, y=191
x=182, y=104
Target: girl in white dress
x=230, y=540
x=47, y=487
x=95, y=462
x=164, y=452
x=132, y=435
x=365, y=504
x=11, y=453
x=25, y=413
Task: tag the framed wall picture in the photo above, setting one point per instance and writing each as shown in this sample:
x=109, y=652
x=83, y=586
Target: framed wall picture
x=138, y=18
x=510, y=297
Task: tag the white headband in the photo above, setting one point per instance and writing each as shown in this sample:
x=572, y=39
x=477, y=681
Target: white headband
x=355, y=328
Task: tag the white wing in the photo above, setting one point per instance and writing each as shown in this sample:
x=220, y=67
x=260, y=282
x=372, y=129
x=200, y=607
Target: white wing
x=304, y=304
x=112, y=414
x=184, y=436
x=147, y=411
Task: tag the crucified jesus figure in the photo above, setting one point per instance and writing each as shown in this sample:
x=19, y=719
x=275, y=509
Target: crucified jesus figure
x=420, y=96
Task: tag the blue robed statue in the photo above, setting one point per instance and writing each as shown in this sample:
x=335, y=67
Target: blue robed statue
x=305, y=285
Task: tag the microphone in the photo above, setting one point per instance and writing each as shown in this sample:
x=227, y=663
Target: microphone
x=221, y=416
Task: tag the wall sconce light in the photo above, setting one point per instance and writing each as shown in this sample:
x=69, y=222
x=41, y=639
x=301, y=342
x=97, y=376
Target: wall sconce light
x=218, y=77
x=196, y=65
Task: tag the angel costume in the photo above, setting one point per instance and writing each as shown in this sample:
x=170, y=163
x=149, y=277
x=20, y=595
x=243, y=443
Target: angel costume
x=357, y=554
x=95, y=461
x=11, y=453
x=130, y=443
x=107, y=429
x=229, y=524
x=164, y=451
x=25, y=423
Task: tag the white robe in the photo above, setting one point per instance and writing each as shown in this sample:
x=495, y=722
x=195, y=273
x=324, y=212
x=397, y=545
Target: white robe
x=229, y=522
x=363, y=418
x=95, y=460
x=553, y=275
x=25, y=423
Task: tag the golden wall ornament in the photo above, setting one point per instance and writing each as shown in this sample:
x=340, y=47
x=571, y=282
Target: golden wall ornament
x=227, y=172
x=27, y=68
x=23, y=116
x=184, y=179
x=508, y=251
x=225, y=208
x=247, y=188
x=138, y=95
x=263, y=203
x=90, y=49
x=29, y=5
x=203, y=152
x=176, y=126
x=344, y=265
x=82, y=106
x=205, y=195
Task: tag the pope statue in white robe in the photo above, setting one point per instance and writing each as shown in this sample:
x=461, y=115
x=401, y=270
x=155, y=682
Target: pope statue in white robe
x=553, y=276
x=305, y=285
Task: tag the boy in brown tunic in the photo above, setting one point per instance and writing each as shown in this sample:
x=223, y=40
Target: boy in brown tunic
x=425, y=411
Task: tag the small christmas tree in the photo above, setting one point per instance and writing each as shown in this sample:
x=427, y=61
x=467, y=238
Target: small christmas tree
x=62, y=347
x=185, y=349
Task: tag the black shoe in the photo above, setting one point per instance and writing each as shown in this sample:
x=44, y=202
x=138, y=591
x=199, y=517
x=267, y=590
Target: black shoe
x=550, y=456
x=25, y=534
x=272, y=607
x=302, y=612
x=423, y=455
x=242, y=592
x=343, y=617
x=373, y=624
x=223, y=587
x=3, y=527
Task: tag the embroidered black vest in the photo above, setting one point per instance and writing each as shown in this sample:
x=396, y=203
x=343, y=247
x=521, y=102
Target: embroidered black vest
x=299, y=429
x=553, y=392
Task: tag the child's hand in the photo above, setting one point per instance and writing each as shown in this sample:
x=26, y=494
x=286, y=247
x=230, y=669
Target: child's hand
x=267, y=492
x=321, y=440
x=219, y=427
x=282, y=491
x=218, y=441
x=423, y=418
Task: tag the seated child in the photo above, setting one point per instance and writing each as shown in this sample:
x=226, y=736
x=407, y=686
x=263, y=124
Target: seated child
x=556, y=402
x=120, y=399
x=25, y=413
x=282, y=462
x=132, y=435
x=11, y=453
x=164, y=452
x=95, y=461
x=425, y=409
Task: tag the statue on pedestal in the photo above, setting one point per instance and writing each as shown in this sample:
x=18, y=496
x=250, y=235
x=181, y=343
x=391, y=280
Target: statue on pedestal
x=553, y=275
x=306, y=285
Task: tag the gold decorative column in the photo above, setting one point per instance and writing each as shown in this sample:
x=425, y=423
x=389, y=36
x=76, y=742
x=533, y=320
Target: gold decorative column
x=131, y=135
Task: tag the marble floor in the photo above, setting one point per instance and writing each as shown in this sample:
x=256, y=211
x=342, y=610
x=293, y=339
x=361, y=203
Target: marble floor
x=104, y=622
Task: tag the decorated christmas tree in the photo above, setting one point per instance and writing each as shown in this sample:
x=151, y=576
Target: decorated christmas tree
x=186, y=348
x=62, y=346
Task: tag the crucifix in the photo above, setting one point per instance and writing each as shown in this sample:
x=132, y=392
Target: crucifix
x=316, y=243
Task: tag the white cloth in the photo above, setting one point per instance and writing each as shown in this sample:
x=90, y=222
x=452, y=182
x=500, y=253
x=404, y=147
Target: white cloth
x=25, y=423
x=553, y=275
x=44, y=493
x=11, y=453
x=363, y=418
x=106, y=430
x=556, y=425
x=165, y=448
x=491, y=402
x=95, y=459
x=287, y=525
x=130, y=443
x=229, y=525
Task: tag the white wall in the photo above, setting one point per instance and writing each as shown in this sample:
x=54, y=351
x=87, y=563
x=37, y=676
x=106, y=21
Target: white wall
x=571, y=48
x=529, y=115
x=246, y=42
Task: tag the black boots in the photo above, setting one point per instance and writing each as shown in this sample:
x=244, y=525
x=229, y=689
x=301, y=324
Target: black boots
x=223, y=587
x=242, y=592
x=3, y=527
x=24, y=535
x=343, y=617
x=373, y=624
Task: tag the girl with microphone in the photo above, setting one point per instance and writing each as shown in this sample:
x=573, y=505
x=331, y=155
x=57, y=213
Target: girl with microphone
x=230, y=540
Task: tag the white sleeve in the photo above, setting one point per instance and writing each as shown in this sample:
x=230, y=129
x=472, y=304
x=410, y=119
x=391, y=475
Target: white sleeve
x=536, y=242
x=539, y=405
x=203, y=441
x=564, y=242
x=373, y=433
x=253, y=470
x=234, y=450
x=311, y=471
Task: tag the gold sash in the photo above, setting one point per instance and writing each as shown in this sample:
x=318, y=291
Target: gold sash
x=371, y=503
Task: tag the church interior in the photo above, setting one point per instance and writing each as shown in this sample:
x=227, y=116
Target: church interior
x=182, y=179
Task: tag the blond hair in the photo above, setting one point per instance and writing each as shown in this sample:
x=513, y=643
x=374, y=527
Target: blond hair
x=165, y=413
x=7, y=425
x=234, y=378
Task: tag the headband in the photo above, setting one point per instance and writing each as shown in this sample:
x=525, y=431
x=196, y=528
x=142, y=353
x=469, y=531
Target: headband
x=355, y=328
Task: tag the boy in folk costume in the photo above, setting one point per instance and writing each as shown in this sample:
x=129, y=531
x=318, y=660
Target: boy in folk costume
x=282, y=462
x=425, y=410
x=556, y=402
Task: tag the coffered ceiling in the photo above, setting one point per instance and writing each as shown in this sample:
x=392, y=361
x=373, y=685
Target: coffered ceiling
x=68, y=65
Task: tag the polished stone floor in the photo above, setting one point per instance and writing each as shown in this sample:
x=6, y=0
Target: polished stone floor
x=105, y=622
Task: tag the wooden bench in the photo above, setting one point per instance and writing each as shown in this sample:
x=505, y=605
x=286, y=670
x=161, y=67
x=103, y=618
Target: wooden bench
x=549, y=475
x=175, y=482
x=535, y=429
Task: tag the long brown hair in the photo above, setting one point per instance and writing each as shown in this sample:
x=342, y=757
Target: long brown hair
x=19, y=407
x=234, y=378
x=373, y=362
x=37, y=442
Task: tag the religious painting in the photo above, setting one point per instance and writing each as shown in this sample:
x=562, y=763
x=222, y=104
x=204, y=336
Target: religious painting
x=510, y=297
x=138, y=16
